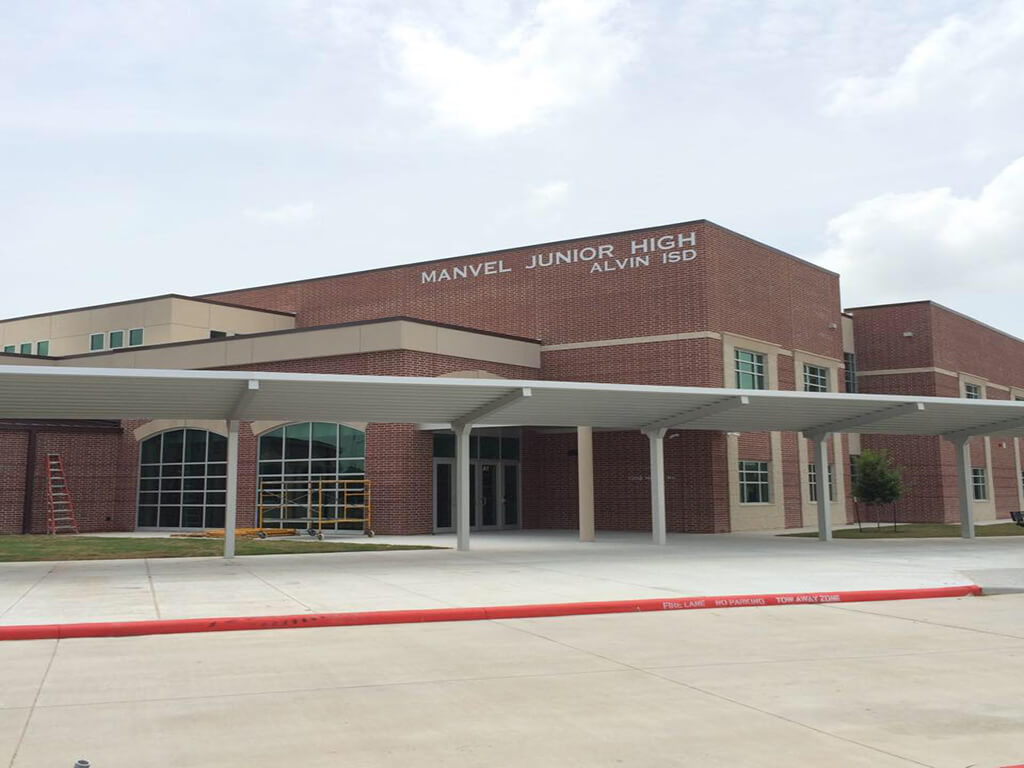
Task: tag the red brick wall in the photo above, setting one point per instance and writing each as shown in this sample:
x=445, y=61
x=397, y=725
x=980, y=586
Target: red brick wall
x=696, y=485
x=881, y=345
x=963, y=344
x=763, y=293
x=13, y=448
x=561, y=303
x=945, y=340
x=684, y=363
x=101, y=470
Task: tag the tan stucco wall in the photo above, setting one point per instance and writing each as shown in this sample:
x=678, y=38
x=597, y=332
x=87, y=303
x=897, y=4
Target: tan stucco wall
x=322, y=342
x=164, y=320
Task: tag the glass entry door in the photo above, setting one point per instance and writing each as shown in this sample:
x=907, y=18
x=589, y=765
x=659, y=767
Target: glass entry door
x=493, y=495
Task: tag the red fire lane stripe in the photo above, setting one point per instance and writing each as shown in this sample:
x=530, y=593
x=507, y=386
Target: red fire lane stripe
x=298, y=621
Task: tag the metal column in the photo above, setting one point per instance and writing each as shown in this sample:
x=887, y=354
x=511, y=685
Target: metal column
x=964, y=483
x=585, y=480
x=462, y=467
x=231, y=500
x=657, y=443
x=821, y=473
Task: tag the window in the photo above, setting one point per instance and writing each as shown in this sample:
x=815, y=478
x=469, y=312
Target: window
x=183, y=479
x=95, y=341
x=850, y=363
x=218, y=334
x=10, y=349
x=42, y=347
x=116, y=339
x=972, y=391
x=749, y=370
x=135, y=337
x=292, y=462
x=26, y=348
x=482, y=447
x=812, y=483
x=979, y=483
x=755, y=486
x=815, y=378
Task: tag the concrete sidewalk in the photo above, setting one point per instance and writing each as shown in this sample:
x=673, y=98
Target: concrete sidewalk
x=880, y=685
x=502, y=569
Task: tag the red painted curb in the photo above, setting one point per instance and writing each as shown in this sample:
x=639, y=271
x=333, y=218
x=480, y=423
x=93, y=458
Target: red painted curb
x=234, y=624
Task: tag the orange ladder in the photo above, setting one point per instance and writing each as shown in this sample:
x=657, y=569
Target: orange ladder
x=61, y=517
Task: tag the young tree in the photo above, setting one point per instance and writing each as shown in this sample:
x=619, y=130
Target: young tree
x=876, y=481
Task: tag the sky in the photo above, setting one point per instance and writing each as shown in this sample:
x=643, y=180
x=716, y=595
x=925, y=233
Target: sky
x=149, y=147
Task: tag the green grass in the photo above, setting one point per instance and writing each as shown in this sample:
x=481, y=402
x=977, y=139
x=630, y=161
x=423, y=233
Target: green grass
x=918, y=531
x=36, y=547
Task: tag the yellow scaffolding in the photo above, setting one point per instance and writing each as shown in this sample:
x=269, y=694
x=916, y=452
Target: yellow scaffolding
x=312, y=503
x=349, y=498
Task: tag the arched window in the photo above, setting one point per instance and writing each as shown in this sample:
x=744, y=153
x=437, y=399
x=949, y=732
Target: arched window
x=182, y=479
x=292, y=461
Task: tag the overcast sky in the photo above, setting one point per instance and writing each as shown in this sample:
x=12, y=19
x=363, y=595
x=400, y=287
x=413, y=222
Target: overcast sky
x=150, y=147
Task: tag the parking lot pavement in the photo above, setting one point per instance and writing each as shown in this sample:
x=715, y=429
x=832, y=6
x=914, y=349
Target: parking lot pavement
x=510, y=568
x=909, y=683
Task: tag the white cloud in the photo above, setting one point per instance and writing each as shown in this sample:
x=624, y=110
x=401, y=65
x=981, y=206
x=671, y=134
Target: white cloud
x=285, y=214
x=566, y=51
x=966, y=61
x=549, y=195
x=932, y=244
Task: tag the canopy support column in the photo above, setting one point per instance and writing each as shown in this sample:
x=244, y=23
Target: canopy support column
x=821, y=473
x=231, y=499
x=657, y=442
x=462, y=500
x=585, y=475
x=962, y=447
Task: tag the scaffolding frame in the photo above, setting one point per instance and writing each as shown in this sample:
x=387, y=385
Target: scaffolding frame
x=326, y=501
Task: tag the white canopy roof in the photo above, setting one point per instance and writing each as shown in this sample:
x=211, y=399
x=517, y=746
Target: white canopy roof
x=88, y=393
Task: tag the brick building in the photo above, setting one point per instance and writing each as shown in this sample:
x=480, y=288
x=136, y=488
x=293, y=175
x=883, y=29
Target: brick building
x=689, y=304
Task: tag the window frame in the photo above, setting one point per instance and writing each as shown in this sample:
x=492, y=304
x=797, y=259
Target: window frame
x=289, y=474
x=812, y=482
x=812, y=372
x=166, y=477
x=110, y=340
x=979, y=483
x=759, y=360
x=850, y=371
x=756, y=475
x=978, y=391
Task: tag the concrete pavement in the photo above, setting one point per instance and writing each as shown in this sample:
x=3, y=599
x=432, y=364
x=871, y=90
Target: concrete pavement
x=910, y=683
x=502, y=569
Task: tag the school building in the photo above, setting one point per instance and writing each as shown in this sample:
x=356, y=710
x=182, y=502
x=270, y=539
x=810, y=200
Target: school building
x=689, y=304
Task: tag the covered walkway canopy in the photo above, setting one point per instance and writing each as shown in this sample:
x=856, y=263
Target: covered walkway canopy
x=38, y=392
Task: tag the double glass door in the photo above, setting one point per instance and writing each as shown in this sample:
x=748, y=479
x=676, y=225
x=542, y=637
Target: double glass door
x=493, y=495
